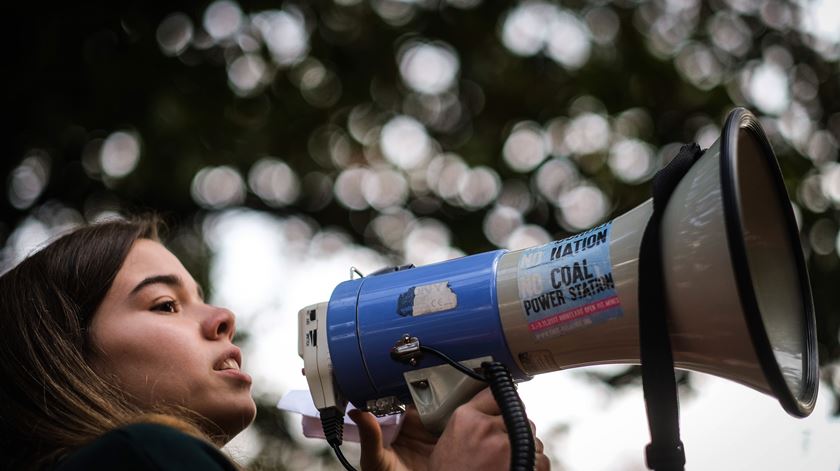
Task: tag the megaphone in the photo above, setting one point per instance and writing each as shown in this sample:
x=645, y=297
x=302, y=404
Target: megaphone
x=736, y=287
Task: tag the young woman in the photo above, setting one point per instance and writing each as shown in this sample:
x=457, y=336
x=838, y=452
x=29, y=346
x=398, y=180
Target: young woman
x=112, y=359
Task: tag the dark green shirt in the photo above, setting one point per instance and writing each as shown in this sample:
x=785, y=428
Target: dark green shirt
x=146, y=447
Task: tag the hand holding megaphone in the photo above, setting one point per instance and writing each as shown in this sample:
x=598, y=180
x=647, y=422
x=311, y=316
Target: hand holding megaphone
x=475, y=438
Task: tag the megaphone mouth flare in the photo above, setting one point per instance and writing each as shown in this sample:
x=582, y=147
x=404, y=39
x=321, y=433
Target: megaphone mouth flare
x=759, y=219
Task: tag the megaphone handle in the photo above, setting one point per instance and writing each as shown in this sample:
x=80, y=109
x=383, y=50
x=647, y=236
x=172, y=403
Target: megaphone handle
x=665, y=451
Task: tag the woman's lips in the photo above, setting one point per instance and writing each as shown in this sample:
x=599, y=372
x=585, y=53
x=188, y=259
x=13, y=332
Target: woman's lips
x=236, y=374
x=230, y=365
x=231, y=359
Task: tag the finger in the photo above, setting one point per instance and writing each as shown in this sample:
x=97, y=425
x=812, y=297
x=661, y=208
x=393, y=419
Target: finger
x=543, y=463
x=538, y=445
x=533, y=428
x=412, y=417
x=485, y=403
x=370, y=436
x=412, y=427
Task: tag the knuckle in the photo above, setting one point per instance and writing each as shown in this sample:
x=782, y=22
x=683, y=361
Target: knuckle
x=461, y=413
x=500, y=446
x=483, y=427
x=459, y=418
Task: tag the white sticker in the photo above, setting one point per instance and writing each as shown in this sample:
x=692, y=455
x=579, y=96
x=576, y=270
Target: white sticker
x=568, y=284
x=427, y=299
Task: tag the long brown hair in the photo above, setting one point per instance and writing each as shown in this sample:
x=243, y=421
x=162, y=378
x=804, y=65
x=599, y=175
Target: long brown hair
x=51, y=400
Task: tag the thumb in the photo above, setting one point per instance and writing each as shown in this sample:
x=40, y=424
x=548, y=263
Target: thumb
x=370, y=436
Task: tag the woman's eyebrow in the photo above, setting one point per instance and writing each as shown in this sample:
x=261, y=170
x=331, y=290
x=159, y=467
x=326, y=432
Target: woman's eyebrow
x=169, y=280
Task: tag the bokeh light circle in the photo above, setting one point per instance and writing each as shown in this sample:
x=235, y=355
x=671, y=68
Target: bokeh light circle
x=568, y=40
x=554, y=178
x=525, y=147
x=822, y=236
x=478, y=187
x=443, y=174
x=430, y=68
x=766, y=84
x=587, y=133
x=348, y=188
x=499, y=223
x=284, y=33
x=428, y=241
x=218, y=187
x=392, y=226
x=274, y=182
x=222, y=19
x=631, y=160
x=246, y=73
x=384, y=188
x=174, y=34
x=582, y=207
x=529, y=235
x=119, y=154
x=28, y=180
x=811, y=195
x=524, y=29
x=404, y=142
x=830, y=182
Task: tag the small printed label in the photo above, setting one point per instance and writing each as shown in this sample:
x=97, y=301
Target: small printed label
x=568, y=284
x=538, y=361
x=427, y=299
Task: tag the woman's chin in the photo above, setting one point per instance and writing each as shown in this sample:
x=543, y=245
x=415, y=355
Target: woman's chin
x=236, y=420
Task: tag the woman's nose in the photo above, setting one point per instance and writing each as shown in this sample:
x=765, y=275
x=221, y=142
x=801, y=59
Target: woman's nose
x=219, y=324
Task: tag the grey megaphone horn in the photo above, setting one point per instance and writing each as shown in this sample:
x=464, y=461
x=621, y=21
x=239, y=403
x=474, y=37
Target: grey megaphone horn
x=736, y=285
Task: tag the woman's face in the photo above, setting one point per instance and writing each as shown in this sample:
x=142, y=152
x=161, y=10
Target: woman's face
x=155, y=334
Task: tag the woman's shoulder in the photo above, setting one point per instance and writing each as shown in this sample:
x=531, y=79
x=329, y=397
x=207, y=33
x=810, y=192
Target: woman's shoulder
x=144, y=447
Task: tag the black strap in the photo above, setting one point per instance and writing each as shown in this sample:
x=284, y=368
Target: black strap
x=665, y=451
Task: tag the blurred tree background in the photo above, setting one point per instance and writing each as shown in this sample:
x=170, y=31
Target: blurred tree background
x=424, y=129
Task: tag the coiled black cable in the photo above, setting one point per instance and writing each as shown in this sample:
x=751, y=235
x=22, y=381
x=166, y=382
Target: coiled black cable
x=522, y=448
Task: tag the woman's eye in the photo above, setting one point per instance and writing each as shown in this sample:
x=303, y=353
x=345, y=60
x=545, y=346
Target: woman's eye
x=166, y=306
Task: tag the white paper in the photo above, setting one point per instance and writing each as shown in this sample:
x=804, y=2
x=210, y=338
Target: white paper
x=300, y=402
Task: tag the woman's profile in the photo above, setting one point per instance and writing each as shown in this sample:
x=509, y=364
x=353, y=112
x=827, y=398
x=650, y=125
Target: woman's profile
x=112, y=357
